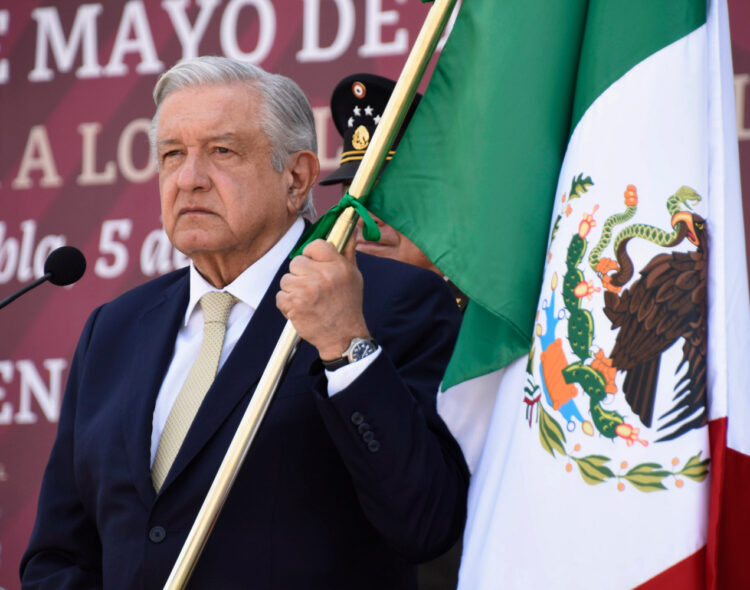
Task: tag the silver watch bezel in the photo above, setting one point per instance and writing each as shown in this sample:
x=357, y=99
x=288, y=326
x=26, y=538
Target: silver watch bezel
x=355, y=343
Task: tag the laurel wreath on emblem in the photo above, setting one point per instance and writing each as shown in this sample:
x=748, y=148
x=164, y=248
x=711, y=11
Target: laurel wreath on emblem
x=666, y=304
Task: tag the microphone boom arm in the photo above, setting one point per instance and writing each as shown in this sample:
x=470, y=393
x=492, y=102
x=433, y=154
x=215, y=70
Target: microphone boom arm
x=27, y=288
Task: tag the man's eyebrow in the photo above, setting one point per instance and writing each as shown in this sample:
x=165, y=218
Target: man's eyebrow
x=223, y=137
x=228, y=137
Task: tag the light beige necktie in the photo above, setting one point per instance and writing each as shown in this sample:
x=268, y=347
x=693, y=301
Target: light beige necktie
x=216, y=307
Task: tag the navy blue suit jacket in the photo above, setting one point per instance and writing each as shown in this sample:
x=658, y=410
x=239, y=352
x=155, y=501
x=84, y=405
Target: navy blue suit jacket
x=346, y=492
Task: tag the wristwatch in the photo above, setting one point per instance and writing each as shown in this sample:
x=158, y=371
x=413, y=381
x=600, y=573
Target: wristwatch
x=358, y=349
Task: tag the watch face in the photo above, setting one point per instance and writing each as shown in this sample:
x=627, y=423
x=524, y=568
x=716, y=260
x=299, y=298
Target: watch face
x=361, y=350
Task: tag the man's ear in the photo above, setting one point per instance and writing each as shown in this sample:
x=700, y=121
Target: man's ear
x=301, y=173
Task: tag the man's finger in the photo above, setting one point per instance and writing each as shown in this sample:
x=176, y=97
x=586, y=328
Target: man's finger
x=320, y=251
x=300, y=265
x=350, y=250
x=287, y=282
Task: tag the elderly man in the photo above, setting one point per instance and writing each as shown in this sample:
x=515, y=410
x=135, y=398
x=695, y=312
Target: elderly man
x=352, y=478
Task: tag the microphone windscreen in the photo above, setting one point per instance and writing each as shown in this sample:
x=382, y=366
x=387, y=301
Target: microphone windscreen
x=65, y=265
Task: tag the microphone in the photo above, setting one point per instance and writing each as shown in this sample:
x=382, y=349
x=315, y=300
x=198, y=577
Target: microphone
x=64, y=266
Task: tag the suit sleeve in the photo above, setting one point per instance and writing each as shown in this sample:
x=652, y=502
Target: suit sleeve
x=64, y=551
x=409, y=473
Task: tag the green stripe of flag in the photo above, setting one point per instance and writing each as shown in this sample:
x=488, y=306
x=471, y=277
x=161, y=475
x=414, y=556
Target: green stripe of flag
x=619, y=35
x=474, y=177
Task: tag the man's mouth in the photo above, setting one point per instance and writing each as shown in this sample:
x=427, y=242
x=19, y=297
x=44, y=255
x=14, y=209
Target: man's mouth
x=195, y=211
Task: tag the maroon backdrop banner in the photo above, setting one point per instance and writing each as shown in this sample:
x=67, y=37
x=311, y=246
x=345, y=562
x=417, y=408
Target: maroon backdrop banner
x=75, y=107
x=75, y=90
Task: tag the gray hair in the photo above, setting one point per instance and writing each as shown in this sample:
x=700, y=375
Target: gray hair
x=287, y=116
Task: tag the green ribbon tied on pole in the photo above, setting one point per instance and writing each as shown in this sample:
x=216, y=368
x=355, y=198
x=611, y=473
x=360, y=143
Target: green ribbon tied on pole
x=322, y=227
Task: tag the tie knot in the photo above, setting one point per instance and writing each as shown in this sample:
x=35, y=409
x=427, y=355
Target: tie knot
x=216, y=306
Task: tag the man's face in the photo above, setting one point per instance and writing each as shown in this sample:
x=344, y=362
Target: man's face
x=222, y=202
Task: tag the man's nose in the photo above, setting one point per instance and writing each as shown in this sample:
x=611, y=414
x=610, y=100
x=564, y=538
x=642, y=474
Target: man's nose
x=193, y=175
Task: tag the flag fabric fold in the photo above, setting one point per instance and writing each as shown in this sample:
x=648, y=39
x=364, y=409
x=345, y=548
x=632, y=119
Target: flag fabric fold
x=476, y=167
x=573, y=168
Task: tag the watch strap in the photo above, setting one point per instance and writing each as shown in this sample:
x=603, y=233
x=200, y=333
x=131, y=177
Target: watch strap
x=335, y=363
x=348, y=356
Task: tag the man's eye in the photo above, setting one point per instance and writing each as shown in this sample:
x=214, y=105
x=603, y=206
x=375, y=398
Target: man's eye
x=222, y=150
x=169, y=154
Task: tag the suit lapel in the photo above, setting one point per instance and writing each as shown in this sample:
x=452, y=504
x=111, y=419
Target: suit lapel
x=156, y=331
x=237, y=377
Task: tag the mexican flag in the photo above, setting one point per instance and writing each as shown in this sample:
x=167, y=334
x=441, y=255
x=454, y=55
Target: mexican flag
x=573, y=169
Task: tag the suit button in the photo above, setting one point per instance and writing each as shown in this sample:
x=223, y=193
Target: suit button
x=368, y=436
x=157, y=534
x=357, y=418
x=364, y=427
x=373, y=446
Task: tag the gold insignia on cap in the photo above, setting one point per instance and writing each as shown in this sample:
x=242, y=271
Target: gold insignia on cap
x=361, y=137
x=359, y=89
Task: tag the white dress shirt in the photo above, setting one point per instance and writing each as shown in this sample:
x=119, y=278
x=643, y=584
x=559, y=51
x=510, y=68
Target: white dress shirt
x=249, y=289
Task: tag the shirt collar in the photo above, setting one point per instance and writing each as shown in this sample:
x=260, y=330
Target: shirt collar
x=250, y=286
